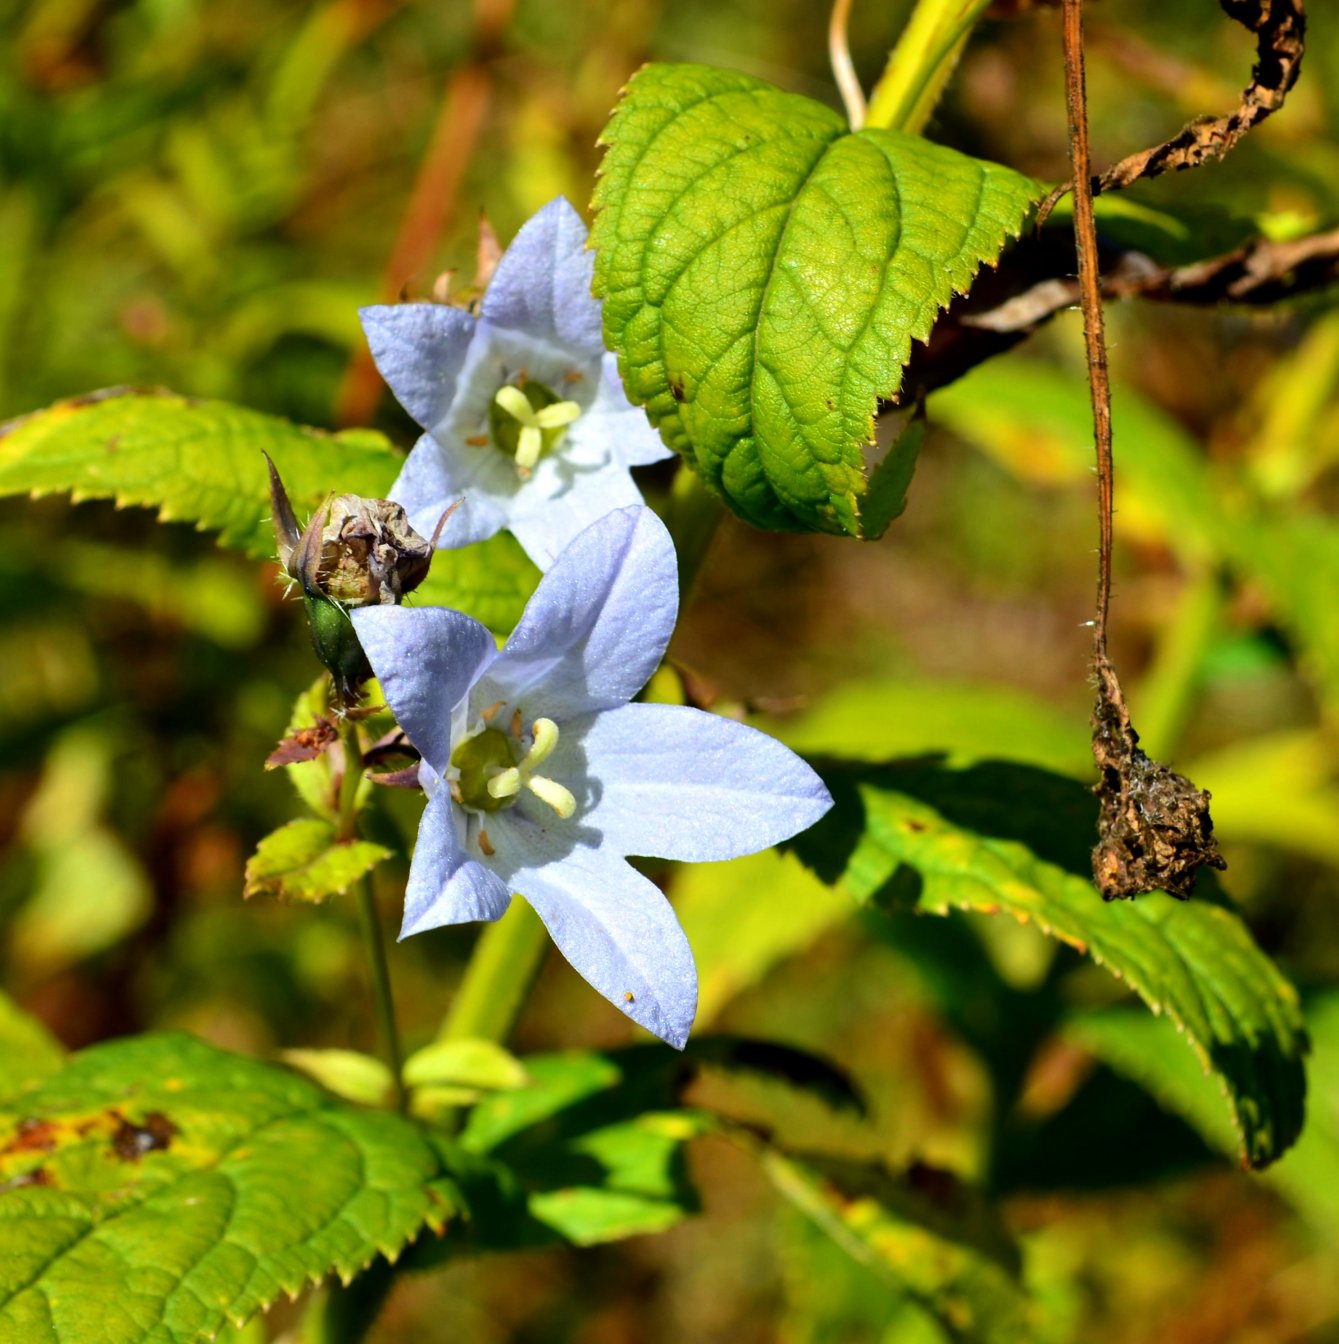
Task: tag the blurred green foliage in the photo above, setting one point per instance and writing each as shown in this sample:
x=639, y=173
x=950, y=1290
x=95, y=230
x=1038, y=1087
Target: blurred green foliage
x=199, y=197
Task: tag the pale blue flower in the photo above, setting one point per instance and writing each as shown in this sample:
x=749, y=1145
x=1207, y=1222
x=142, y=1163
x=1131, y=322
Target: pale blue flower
x=541, y=776
x=525, y=415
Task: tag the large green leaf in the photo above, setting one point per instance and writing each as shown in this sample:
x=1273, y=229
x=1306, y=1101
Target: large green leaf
x=916, y=835
x=195, y=461
x=200, y=462
x=157, y=1187
x=764, y=273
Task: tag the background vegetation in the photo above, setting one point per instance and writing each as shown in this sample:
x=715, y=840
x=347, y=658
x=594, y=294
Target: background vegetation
x=199, y=196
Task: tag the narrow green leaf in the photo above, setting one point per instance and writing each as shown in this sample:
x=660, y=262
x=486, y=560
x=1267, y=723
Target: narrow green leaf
x=916, y=835
x=938, y=1242
x=465, y=1062
x=349, y=1074
x=302, y=861
x=158, y=1187
x=764, y=273
x=195, y=461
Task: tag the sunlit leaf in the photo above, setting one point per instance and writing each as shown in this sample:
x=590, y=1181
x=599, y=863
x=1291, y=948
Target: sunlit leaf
x=349, y=1074
x=1001, y=838
x=158, y=1187
x=764, y=273
x=304, y=861
x=194, y=461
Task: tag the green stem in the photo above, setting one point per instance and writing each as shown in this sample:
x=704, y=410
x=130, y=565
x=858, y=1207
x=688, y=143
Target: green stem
x=375, y=942
x=368, y=918
x=503, y=967
x=921, y=63
x=1167, y=696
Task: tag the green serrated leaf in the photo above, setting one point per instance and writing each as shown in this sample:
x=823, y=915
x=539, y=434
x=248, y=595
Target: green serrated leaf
x=303, y=861
x=916, y=835
x=158, y=1187
x=28, y=1051
x=195, y=461
x=764, y=273
x=938, y=1243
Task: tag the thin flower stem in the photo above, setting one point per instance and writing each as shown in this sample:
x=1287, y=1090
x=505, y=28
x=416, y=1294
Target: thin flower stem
x=921, y=63
x=368, y=917
x=843, y=68
x=501, y=971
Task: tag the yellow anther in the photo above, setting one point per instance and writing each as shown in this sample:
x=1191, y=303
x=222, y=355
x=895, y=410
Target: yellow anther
x=559, y=414
x=516, y=404
x=551, y=792
x=545, y=735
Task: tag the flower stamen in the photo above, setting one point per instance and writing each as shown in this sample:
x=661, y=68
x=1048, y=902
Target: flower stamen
x=551, y=792
x=527, y=418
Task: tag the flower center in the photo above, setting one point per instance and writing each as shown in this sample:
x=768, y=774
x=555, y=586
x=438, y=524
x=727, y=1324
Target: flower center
x=527, y=421
x=493, y=769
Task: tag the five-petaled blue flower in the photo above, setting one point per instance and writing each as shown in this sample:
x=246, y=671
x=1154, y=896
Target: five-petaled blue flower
x=525, y=414
x=541, y=776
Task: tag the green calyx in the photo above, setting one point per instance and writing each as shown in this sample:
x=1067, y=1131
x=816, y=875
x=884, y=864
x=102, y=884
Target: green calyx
x=336, y=644
x=480, y=759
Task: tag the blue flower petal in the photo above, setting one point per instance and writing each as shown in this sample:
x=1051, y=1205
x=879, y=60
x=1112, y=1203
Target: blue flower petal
x=434, y=477
x=614, y=926
x=596, y=627
x=546, y=527
x=419, y=349
x=625, y=426
x=446, y=886
x=426, y=659
x=670, y=782
x=543, y=283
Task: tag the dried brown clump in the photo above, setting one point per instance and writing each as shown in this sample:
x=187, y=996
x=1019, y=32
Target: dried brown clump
x=1154, y=831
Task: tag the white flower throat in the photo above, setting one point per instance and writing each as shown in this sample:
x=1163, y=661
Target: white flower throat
x=491, y=767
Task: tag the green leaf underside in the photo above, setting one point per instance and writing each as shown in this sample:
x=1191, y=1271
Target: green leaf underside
x=918, y=836
x=594, y=1144
x=302, y=861
x=158, y=1187
x=764, y=273
x=195, y=461
x=944, y=1251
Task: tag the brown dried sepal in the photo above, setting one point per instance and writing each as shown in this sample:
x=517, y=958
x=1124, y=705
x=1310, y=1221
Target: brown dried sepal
x=362, y=552
x=1154, y=829
x=304, y=744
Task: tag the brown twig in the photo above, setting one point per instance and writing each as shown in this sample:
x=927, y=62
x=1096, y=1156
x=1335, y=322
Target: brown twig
x=1090, y=296
x=1154, y=829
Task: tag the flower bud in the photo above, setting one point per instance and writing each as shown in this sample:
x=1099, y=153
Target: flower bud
x=354, y=552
